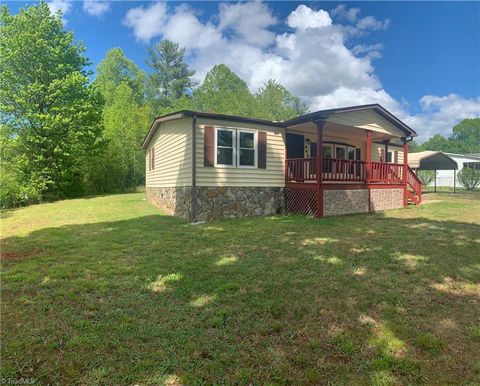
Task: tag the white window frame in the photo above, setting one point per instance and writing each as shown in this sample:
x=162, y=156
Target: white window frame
x=344, y=147
x=332, y=148
x=234, y=147
x=349, y=147
x=255, y=149
x=392, y=157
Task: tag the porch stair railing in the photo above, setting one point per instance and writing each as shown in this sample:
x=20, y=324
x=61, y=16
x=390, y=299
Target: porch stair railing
x=414, y=187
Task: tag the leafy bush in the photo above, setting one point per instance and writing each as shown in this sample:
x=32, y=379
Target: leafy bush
x=426, y=176
x=469, y=178
x=13, y=193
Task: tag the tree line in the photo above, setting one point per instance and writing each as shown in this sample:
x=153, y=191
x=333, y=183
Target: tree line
x=464, y=139
x=64, y=135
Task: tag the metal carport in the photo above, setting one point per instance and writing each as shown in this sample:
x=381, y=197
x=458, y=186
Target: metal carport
x=433, y=160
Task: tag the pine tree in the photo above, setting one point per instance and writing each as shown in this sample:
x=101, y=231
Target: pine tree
x=171, y=77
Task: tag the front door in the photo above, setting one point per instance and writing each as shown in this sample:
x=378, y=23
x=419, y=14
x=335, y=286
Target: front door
x=295, y=146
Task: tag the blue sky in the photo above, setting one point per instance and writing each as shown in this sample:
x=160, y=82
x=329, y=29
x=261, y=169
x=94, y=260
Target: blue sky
x=421, y=60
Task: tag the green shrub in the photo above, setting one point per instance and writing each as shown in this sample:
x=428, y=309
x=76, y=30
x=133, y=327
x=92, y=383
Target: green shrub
x=426, y=176
x=469, y=178
x=13, y=193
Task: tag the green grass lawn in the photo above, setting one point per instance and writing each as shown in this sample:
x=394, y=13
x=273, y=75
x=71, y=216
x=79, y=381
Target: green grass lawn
x=107, y=290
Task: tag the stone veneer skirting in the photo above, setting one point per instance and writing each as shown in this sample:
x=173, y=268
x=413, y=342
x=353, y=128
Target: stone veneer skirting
x=214, y=203
x=338, y=202
x=175, y=201
x=383, y=199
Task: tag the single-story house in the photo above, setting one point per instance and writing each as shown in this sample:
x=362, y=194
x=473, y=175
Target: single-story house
x=203, y=166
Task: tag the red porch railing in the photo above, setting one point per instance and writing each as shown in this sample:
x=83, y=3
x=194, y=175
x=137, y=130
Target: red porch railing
x=385, y=172
x=336, y=170
x=416, y=185
x=343, y=170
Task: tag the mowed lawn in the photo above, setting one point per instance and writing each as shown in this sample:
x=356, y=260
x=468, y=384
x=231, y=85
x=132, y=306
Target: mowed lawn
x=107, y=290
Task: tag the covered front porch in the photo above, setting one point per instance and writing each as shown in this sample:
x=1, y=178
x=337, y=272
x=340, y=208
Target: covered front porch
x=363, y=148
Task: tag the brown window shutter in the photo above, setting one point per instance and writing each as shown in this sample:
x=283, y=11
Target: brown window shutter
x=395, y=157
x=382, y=156
x=209, y=146
x=150, y=160
x=153, y=158
x=262, y=150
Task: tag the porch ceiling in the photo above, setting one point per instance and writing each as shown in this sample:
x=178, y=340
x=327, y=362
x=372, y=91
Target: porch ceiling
x=341, y=131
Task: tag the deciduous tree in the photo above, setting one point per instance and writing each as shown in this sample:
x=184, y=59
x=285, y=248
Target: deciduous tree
x=275, y=102
x=46, y=101
x=467, y=135
x=223, y=92
x=126, y=117
x=115, y=69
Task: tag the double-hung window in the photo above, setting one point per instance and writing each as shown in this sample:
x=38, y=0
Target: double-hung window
x=246, y=149
x=390, y=157
x=235, y=148
x=225, y=147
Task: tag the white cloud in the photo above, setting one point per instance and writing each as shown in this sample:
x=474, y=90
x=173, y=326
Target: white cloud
x=342, y=13
x=440, y=113
x=312, y=59
x=358, y=27
x=370, y=23
x=64, y=6
x=372, y=51
x=96, y=7
x=305, y=17
x=249, y=21
x=146, y=22
x=183, y=27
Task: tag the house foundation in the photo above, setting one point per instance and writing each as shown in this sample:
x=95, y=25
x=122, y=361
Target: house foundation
x=173, y=200
x=218, y=202
x=339, y=202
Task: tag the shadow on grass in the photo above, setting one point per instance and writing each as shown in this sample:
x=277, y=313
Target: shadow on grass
x=287, y=300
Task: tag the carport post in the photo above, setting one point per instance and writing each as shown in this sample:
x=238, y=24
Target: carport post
x=454, y=180
x=435, y=183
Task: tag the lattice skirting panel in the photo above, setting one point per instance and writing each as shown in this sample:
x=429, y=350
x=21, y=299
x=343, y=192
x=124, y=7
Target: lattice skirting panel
x=301, y=200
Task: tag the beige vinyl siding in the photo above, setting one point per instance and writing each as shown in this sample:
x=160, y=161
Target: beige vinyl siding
x=173, y=155
x=377, y=152
x=272, y=176
x=367, y=120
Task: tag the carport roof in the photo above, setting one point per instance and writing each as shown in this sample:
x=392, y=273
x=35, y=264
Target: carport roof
x=431, y=160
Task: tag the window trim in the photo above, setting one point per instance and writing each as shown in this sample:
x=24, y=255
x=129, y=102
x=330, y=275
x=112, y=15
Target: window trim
x=345, y=148
x=234, y=147
x=392, y=156
x=351, y=148
x=330, y=145
x=255, y=149
x=358, y=154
